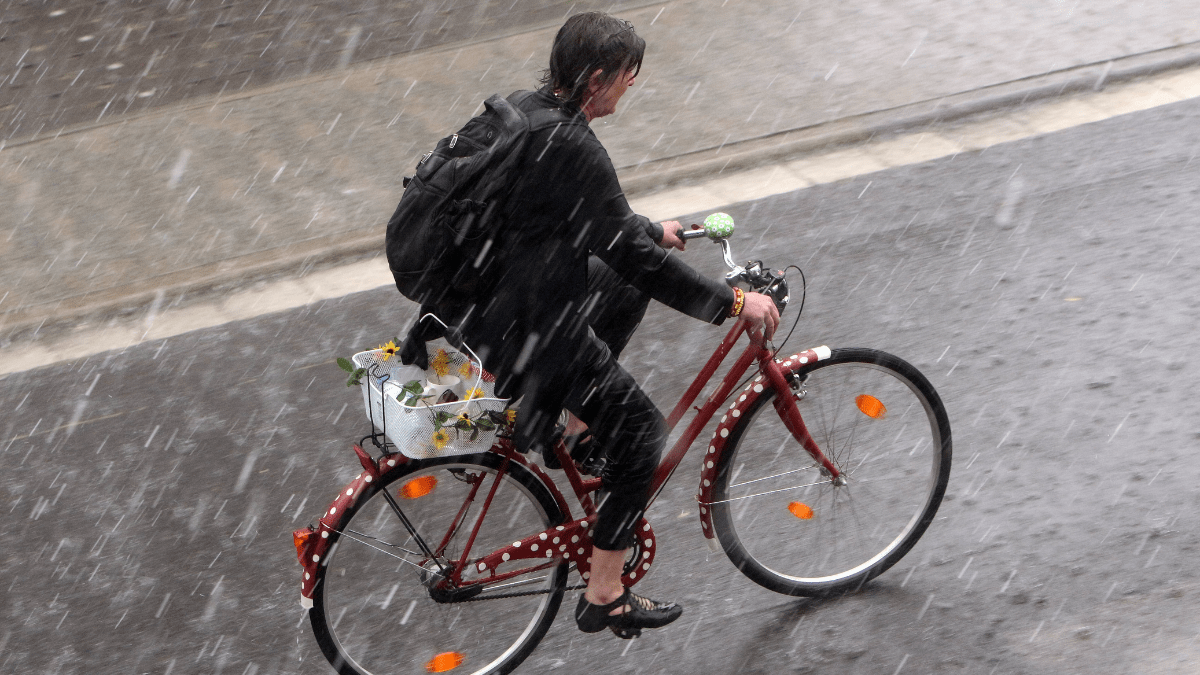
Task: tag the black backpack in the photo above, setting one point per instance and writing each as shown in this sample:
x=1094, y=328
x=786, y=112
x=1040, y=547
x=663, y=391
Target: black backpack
x=442, y=239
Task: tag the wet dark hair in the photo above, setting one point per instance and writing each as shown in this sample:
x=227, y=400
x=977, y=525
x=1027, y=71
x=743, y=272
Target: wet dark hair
x=585, y=43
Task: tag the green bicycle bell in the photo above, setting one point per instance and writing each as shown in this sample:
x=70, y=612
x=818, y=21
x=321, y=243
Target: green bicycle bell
x=718, y=226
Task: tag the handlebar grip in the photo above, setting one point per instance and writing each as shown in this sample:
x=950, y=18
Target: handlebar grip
x=692, y=234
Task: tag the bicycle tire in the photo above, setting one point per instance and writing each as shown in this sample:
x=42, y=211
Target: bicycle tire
x=395, y=626
x=818, y=538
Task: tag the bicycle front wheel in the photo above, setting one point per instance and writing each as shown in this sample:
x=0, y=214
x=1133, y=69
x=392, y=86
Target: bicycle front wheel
x=377, y=606
x=789, y=527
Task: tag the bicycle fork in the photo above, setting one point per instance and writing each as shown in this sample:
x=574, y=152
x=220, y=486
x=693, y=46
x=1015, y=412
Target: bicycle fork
x=785, y=405
x=775, y=377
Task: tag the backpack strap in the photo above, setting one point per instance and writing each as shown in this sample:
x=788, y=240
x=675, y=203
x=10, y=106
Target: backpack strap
x=547, y=117
x=540, y=118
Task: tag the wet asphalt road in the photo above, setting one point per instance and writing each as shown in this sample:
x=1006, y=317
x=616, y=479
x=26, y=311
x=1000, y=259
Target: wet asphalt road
x=79, y=62
x=1046, y=287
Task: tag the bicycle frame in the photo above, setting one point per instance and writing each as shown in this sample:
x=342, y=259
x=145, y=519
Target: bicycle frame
x=571, y=541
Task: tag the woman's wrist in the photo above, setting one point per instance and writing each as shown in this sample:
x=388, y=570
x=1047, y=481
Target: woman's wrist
x=739, y=301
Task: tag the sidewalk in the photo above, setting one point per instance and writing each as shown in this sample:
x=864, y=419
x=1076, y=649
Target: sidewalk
x=118, y=222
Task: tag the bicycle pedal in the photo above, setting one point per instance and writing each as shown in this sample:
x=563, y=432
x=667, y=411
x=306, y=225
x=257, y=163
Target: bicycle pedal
x=626, y=633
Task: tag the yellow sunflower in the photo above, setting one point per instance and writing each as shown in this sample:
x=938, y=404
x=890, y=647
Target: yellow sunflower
x=440, y=438
x=476, y=393
x=511, y=415
x=441, y=363
x=465, y=371
x=464, y=417
x=389, y=350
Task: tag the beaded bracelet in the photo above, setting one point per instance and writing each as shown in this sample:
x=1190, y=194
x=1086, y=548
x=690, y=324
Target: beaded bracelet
x=739, y=299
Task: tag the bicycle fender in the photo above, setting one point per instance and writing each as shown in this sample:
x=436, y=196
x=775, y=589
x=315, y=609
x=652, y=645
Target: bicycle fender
x=318, y=545
x=718, y=445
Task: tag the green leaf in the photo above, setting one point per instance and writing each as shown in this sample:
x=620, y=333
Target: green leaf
x=485, y=424
x=441, y=417
x=474, y=434
x=413, y=386
x=353, y=381
x=465, y=425
x=345, y=364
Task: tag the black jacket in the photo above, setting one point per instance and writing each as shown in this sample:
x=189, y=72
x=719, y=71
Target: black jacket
x=532, y=332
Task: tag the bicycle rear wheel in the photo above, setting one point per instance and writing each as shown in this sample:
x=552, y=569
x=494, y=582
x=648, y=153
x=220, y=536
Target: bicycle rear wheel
x=789, y=527
x=373, y=611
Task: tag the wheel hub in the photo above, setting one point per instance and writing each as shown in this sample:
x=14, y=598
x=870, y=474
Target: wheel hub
x=442, y=590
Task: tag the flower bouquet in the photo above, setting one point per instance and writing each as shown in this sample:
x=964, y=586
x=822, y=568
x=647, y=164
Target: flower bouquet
x=450, y=409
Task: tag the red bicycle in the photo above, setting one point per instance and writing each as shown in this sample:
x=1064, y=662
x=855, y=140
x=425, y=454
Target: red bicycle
x=823, y=471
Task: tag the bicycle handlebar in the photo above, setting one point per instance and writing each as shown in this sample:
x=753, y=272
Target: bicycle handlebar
x=718, y=227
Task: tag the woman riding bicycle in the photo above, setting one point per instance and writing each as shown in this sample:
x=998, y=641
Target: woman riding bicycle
x=577, y=262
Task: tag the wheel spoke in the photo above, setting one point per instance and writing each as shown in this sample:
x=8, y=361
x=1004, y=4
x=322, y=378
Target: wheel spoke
x=384, y=551
x=760, y=494
x=785, y=473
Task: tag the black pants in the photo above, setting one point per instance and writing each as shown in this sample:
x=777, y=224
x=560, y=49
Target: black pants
x=622, y=419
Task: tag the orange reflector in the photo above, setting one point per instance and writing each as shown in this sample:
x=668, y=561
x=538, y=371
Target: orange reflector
x=418, y=487
x=300, y=540
x=801, y=511
x=871, y=406
x=444, y=662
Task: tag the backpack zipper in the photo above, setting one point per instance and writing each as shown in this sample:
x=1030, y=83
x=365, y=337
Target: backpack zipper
x=453, y=140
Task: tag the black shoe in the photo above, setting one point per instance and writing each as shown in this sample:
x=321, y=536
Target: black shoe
x=643, y=613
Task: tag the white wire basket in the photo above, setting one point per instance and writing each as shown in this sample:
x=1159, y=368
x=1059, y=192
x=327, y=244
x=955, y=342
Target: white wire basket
x=422, y=428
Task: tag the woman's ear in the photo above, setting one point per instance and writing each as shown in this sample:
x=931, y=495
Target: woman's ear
x=595, y=81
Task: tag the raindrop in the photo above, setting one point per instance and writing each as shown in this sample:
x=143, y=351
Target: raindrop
x=179, y=168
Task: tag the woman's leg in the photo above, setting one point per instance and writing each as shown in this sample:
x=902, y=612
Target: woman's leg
x=605, y=585
x=615, y=307
x=614, y=312
x=632, y=433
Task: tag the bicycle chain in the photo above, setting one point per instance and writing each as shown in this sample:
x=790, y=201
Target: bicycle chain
x=521, y=594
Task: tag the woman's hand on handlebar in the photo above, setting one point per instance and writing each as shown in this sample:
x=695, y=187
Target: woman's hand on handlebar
x=761, y=316
x=671, y=231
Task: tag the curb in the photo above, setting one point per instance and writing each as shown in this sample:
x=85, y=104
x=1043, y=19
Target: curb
x=299, y=258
